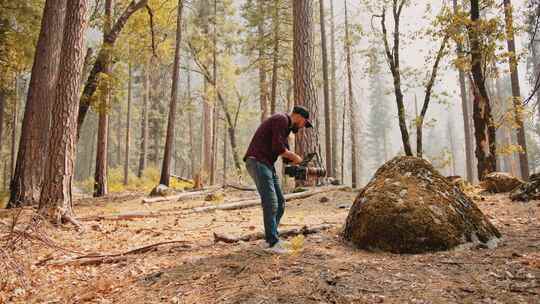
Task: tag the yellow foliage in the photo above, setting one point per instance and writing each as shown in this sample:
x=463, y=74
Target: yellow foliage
x=146, y=183
x=297, y=243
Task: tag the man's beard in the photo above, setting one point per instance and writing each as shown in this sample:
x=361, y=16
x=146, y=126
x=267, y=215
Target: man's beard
x=294, y=128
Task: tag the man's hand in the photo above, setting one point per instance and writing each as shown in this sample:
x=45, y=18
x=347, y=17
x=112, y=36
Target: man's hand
x=293, y=157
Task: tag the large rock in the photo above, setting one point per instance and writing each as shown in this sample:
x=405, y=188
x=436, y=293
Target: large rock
x=161, y=190
x=500, y=182
x=408, y=207
x=528, y=191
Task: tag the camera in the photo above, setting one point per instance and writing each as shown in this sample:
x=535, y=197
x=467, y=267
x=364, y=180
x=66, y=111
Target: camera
x=303, y=171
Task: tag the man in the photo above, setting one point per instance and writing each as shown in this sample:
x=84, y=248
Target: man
x=269, y=142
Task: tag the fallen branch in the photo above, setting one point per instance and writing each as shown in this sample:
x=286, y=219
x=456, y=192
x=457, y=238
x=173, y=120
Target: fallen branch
x=256, y=202
x=183, y=179
x=259, y=235
x=240, y=187
x=181, y=196
x=97, y=259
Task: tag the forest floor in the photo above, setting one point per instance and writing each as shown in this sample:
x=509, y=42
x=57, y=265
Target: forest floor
x=322, y=268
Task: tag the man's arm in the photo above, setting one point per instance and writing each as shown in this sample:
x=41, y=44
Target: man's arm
x=293, y=157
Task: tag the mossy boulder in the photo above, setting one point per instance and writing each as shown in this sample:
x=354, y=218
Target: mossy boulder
x=528, y=191
x=500, y=182
x=408, y=207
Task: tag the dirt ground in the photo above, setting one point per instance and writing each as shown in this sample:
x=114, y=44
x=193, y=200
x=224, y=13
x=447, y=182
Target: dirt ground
x=322, y=268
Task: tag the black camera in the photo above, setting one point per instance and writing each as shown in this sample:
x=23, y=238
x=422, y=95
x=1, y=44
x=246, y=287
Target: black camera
x=303, y=171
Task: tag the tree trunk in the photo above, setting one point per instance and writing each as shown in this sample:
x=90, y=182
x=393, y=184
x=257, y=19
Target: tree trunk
x=352, y=109
x=484, y=127
x=27, y=178
x=128, y=128
x=304, y=89
x=190, y=122
x=333, y=81
x=100, y=175
x=14, y=123
x=516, y=93
x=275, y=58
x=465, y=109
x=2, y=107
x=215, y=112
x=144, y=122
x=56, y=199
x=393, y=60
x=102, y=59
x=263, y=88
x=166, y=167
x=343, y=117
x=327, y=109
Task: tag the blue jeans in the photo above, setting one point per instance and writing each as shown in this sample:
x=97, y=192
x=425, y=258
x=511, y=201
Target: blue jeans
x=272, y=200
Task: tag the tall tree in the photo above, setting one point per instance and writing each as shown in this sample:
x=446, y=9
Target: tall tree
x=333, y=81
x=14, y=123
x=304, y=89
x=143, y=156
x=166, y=167
x=263, y=86
x=465, y=107
x=109, y=41
x=27, y=178
x=327, y=109
x=484, y=127
x=516, y=93
x=128, y=126
x=100, y=175
x=56, y=199
x=352, y=109
x=393, y=59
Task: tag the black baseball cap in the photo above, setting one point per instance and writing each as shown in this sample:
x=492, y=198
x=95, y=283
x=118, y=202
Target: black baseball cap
x=302, y=111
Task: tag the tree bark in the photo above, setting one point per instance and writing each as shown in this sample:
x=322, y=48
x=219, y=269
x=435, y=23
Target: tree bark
x=144, y=122
x=393, y=60
x=190, y=122
x=352, y=109
x=166, y=167
x=263, y=87
x=14, y=122
x=327, y=109
x=465, y=109
x=128, y=127
x=516, y=92
x=275, y=59
x=304, y=89
x=333, y=110
x=27, y=178
x=100, y=174
x=2, y=107
x=56, y=199
x=102, y=58
x=484, y=127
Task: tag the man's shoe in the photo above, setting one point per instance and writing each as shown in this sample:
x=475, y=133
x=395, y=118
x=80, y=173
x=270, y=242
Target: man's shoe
x=278, y=248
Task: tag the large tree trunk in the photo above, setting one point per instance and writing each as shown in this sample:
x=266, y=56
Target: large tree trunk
x=128, y=127
x=352, y=109
x=516, y=93
x=166, y=167
x=465, y=109
x=56, y=200
x=304, y=89
x=333, y=110
x=14, y=122
x=275, y=59
x=484, y=127
x=103, y=58
x=100, y=175
x=27, y=178
x=144, y=122
x=327, y=109
x=393, y=59
x=263, y=87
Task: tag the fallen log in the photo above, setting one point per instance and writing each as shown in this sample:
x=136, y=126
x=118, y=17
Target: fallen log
x=240, y=187
x=305, y=230
x=183, y=179
x=181, y=196
x=255, y=202
x=97, y=259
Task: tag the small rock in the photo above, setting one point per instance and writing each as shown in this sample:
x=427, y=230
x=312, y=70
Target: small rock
x=161, y=190
x=344, y=206
x=324, y=199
